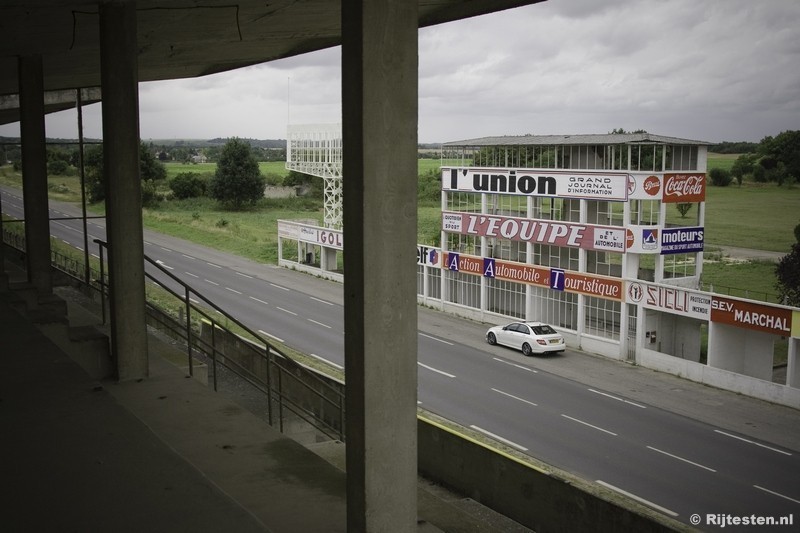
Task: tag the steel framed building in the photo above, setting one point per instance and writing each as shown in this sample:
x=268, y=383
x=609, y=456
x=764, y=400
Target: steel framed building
x=549, y=227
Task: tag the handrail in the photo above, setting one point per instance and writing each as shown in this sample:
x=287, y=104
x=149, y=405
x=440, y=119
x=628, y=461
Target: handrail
x=282, y=369
x=274, y=358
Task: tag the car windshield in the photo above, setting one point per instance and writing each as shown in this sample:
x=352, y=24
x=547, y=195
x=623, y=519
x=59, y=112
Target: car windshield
x=544, y=330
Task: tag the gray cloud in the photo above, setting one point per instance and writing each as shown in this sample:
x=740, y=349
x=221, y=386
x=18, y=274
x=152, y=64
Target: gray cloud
x=702, y=69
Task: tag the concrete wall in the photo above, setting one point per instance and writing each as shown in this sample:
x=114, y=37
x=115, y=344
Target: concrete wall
x=723, y=379
x=542, y=500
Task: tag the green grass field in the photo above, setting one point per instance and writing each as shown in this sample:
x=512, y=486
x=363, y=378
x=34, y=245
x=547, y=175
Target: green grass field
x=760, y=216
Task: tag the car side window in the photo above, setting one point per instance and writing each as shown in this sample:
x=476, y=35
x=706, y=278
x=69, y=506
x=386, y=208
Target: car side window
x=522, y=328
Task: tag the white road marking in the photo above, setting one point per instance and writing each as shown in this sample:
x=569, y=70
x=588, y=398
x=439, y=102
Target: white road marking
x=777, y=494
x=501, y=439
x=279, y=287
x=590, y=425
x=286, y=310
x=190, y=274
x=189, y=257
x=637, y=498
x=435, y=370
x=213, y=265
x=434, y=338
x=244, y=275
x=259, y=301
x=320, y=301
x=213, y=282
x=232, y=290
x=160, y=262
x=681, y=459
x=617, y=398
x=270, y=335
x=515, y=397
x=95, y=255
x=516, y=365
x=752, y=442
x=165, y=249
x=340, y=367
x=319, y=323
x=193, y=301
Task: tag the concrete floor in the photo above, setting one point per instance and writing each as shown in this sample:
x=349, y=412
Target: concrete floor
x=163, y=454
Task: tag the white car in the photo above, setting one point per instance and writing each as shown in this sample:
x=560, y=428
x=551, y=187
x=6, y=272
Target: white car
x=530, y=337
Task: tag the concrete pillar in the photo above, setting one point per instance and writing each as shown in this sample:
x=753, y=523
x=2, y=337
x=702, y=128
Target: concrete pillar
x=119, y=83
x=379, y=111
x=34, y=174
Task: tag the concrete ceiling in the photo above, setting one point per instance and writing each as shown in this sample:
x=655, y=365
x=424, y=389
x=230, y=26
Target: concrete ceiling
x=182, y=38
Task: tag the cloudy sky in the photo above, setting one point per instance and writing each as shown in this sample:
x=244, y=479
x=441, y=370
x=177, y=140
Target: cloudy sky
x=711, y=70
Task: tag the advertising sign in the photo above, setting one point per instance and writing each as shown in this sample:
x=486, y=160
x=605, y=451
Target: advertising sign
x=532, y=182
x=645, y=186
x=681, y=240
x=670, y=299
x=589, y=284
x=521, y=273
x=428, y=256
x=680, y=188
x=601, y=238
x=328, y=238
x=751, y=315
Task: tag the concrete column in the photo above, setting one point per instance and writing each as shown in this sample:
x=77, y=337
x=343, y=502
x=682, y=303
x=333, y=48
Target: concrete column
x=379, y=108
x=119, y=82
x=34, y=174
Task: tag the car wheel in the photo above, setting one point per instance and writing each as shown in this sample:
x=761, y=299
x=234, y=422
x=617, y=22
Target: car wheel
x=526, y=349
x=491, y=339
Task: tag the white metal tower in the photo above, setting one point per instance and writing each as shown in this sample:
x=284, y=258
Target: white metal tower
x=316, y=150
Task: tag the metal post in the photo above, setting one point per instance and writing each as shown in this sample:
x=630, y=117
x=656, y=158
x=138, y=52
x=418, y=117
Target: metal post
x=214, y=353
x=189, y=331
x=87, y=269
x=102, y=282
x=269, y=383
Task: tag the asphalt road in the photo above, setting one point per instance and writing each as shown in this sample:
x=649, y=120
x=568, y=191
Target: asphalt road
x=589, y=417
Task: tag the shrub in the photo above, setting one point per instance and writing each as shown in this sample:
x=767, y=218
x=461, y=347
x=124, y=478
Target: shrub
x=188, y=185
x=720, y=177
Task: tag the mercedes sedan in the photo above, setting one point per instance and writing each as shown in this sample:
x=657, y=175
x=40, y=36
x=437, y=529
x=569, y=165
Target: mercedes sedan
x=530, y=337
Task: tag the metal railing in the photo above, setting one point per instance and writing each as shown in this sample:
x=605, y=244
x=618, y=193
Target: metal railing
x=284, y=381
x=287, y=384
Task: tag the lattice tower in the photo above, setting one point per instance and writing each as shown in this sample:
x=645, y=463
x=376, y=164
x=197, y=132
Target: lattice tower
x=316, y=149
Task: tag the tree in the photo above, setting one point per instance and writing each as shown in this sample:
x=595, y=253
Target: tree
x=779, y=158
x=743, y=165
x=237, y=180
x=149, y=170
x=787, y=271
x=683, y=208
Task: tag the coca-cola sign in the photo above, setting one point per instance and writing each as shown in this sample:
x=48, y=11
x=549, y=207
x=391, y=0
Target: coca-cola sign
x=680, y=188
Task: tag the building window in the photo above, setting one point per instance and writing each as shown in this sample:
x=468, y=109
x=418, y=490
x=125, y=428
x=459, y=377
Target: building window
x=681, y=157
x=557, y=308
x=680, y=265
x=604, y=263
x=509, y=205
x=464, y=244
x=556, y=256
x=602, y=317
x=645, y=212
x=506, y=297
x=468, y=202
x=463, y=289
